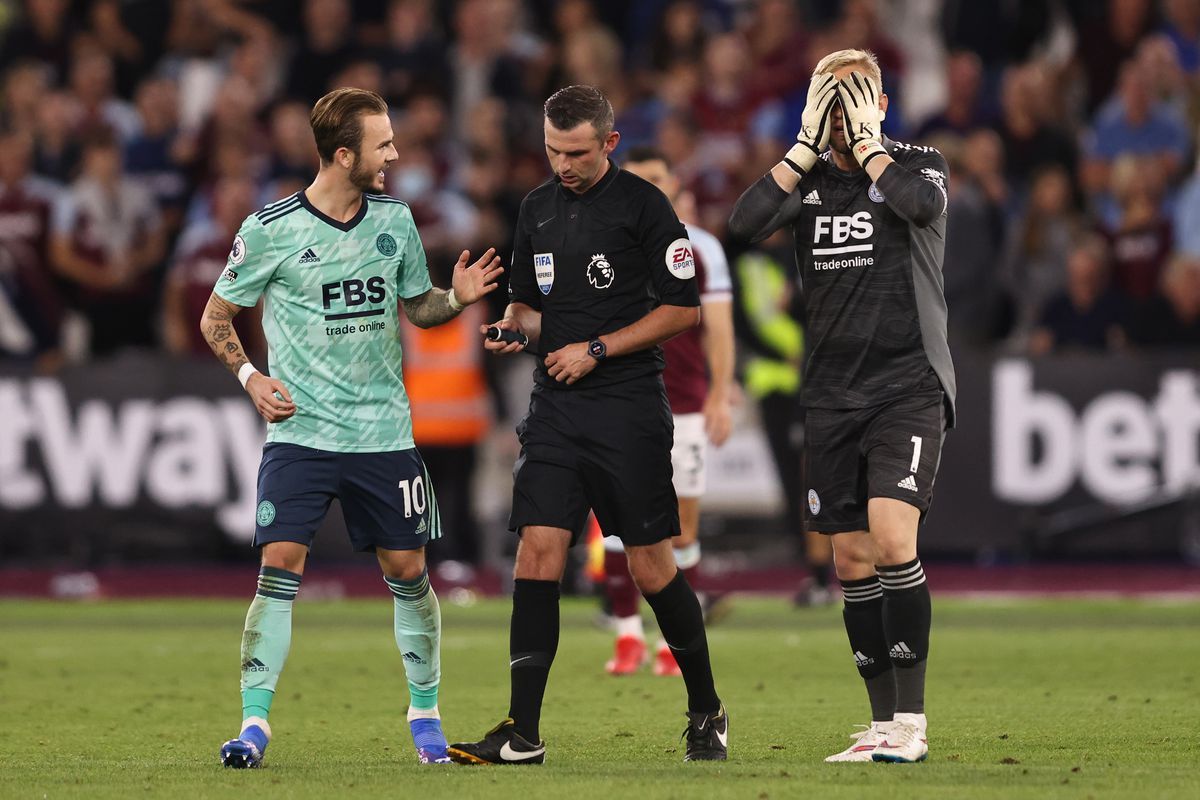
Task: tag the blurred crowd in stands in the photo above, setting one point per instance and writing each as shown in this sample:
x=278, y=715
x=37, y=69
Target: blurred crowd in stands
x=135, y=135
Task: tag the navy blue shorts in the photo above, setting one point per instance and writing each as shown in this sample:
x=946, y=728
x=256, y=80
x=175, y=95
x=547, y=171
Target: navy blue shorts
x=387, y=498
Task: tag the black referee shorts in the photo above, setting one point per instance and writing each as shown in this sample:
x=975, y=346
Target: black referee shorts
x=850, y=455
x=607, y=449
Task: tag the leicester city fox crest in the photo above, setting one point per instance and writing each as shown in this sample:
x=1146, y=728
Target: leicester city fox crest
x=600, y=273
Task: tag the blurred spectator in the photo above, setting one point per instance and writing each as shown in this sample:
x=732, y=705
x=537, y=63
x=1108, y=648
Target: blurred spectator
x=1089, y=314
x=1167, y=84
x=1140, y=238
x=1171, y=318
x=999, y=33
x=25, y=85
x=293, y=151
x=1039, y=244
x=414, y=56
x=679, y=36
x=26, y=202
x=198, y=262
x=975, y=239
x=1181, y=25
x=964, y=110
x=93, y=87
x=779, y=61
x=325, y=47
x=43, y=35
x=1106, y=39
x=157, y=156
x=1030, y=141
x=56, y=151
x=1187, y=212
x=107, y=238
x=133, y=33
x=1133, y=122
x=480, y=64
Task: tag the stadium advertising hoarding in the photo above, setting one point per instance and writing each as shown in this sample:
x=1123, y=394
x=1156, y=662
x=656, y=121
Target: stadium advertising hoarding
x=161, y=456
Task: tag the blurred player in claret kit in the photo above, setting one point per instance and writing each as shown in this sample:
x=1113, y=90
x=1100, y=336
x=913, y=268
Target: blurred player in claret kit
x=602, y=273
x=869, y=220
x=699, y=381
x=333, y=261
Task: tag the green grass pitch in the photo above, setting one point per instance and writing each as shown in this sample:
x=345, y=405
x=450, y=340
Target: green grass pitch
x=1033, y=699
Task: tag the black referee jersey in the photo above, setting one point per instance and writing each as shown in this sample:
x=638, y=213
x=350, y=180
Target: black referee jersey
x=597, y=262
x=870, y=260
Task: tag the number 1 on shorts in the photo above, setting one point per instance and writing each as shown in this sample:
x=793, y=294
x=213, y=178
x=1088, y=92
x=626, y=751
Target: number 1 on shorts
x=916, y=460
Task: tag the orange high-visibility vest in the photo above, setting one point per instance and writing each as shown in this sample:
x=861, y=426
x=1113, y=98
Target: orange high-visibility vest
x=443, y=375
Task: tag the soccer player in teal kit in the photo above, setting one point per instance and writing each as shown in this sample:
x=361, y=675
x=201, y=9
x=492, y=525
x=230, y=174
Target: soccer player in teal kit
x=333, y=261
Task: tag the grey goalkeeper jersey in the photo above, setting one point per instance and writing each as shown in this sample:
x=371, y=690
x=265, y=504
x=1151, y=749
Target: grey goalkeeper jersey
x=870, y=260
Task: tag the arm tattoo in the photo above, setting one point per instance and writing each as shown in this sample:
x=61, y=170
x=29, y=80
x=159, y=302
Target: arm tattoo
x=430, y=309
x=217, y=328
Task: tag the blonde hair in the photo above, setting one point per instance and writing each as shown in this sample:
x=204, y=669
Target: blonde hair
x=844, y=58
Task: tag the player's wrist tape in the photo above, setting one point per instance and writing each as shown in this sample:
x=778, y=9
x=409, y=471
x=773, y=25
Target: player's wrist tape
x=800, y=158
x=245, y=372
x=453, y=301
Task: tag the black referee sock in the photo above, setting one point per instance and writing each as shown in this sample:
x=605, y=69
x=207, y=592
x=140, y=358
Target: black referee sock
x=863, y=616
x=681, y=623
x=533, y=641
x=906, y=621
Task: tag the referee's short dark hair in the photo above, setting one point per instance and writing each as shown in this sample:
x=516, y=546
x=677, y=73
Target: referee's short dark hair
x=336, y=119
x=646, y=152
x=575, y=105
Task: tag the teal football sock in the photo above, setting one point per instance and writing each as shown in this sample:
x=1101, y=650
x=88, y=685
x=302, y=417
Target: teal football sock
x=418, y=626
x=267, y=639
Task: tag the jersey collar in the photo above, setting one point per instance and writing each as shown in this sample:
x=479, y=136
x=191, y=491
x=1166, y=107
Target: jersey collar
x=348, y=225
x=591, y=194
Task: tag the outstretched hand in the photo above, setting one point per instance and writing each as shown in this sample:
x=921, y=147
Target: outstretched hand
x=471, y=283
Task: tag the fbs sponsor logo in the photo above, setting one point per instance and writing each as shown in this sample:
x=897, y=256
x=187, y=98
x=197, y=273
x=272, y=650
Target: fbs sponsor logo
x=600, y=272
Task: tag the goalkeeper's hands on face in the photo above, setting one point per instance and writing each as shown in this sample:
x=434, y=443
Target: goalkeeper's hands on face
x=861, y=115
x=813, y=136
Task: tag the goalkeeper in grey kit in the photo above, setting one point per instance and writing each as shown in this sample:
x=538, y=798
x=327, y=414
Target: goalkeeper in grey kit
x=869, y=218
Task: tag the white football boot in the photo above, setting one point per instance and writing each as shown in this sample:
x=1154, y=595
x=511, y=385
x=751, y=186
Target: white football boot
x=865, y=742
x=905, y=743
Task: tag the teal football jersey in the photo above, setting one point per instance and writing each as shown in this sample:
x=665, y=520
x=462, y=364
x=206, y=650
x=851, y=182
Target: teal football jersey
x=330, y=316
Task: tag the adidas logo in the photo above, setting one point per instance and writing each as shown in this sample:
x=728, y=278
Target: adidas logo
x=909, y=483
x=861, y=660
x=812, y=198
x=309, y=257
x=412, y=658
x=254, y=665
x=422, y=527
x=900, y=651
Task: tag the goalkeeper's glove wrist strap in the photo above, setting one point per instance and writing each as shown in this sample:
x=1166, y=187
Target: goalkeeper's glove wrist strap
x=866, y=150
x=800, y=158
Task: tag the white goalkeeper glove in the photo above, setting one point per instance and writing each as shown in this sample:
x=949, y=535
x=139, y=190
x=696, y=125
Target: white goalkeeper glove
x=814, y=125
x=861, y=116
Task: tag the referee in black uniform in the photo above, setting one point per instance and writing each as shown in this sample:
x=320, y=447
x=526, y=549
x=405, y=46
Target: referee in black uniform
x=869, y=219
x=602, y=272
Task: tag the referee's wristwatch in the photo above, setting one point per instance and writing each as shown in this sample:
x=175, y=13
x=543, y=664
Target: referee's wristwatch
x=597, y=349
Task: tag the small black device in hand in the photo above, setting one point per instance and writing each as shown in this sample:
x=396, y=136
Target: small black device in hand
x=495, y=334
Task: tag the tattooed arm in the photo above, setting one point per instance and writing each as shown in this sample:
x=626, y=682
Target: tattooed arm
x=429, y=309
x=469, y=284
x=270, y=396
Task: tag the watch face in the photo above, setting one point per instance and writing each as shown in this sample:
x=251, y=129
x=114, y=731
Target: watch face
x=597, y=349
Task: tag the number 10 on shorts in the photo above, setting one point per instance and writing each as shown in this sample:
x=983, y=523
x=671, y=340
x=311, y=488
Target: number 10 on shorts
x=414, y=496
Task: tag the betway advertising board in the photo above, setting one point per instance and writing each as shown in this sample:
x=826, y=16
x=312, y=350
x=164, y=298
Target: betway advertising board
x=163, y=455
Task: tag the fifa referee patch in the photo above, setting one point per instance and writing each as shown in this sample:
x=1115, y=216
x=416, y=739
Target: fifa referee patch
x=680, y=260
